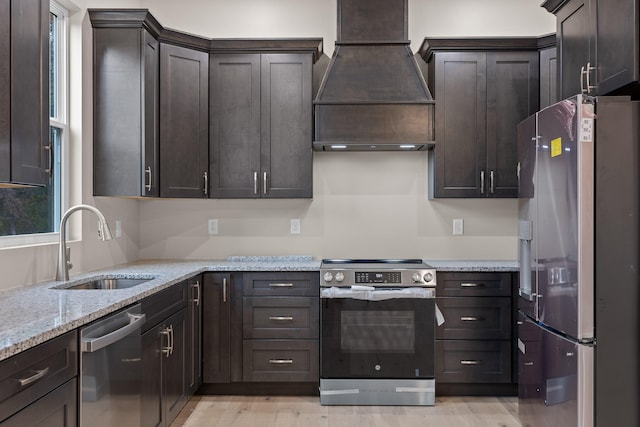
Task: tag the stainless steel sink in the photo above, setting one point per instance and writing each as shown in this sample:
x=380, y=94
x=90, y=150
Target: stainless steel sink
x=108, y=283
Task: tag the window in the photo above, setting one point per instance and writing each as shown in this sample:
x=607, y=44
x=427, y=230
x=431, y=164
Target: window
x=34, y=213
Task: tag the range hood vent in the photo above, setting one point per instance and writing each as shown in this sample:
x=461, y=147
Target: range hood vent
x=373, y=96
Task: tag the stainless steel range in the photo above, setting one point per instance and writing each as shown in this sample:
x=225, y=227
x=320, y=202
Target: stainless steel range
x=377, y=332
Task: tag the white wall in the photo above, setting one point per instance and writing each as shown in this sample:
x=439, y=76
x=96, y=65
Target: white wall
x=365, y=204
x=356, y=195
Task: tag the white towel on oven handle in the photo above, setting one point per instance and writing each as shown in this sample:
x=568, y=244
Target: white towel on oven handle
x=376, y=295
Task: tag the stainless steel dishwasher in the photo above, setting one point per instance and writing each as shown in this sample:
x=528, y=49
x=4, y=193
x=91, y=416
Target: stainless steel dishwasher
x=111, y=366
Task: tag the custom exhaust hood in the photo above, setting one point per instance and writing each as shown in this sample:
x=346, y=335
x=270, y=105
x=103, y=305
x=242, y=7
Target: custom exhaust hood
x=373, y=96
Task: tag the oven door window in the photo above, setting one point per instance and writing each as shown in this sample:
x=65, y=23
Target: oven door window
x=377, y=339
x=377, y=331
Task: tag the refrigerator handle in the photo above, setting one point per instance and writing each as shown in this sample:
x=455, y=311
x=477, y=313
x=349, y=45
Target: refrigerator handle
x=525, y=234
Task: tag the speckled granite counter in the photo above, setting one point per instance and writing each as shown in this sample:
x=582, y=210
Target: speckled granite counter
x=37, y=313
x=480, y=265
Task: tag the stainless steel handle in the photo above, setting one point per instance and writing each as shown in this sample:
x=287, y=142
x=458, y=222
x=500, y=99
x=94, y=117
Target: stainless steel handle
x=481, y=182
x=470, y=285
x=49, y=149
x=168, y=332
x=205, y=175
x=265, y=186
x=491, y=186
x=196, y=287
x=585, y=73
x=147, y=171
x=528, y=363
x=255, y=183
x=280, y=317
x=281, y=285
x=33, y=378
x=589, y=69
x=89, y=345
x=469, y=318
x=224, y=289
x=570, y=354
x=281, y=361
x=470, y=362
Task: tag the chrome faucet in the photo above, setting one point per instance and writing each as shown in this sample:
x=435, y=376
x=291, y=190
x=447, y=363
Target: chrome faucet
x=104, y=233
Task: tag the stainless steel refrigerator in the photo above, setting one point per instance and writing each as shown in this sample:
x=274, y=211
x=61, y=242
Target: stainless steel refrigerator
x=578, y=328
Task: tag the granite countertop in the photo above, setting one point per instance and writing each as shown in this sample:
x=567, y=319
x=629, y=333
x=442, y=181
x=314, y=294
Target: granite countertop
x=471, y=266
x=34, y=314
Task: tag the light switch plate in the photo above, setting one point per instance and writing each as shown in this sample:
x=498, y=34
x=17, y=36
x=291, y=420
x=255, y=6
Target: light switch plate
x=295, y=226
x=458, y=226
x=213, y=226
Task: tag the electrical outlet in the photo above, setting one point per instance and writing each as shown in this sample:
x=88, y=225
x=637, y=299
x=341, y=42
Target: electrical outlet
x=118, y=228
x=458, y=226
x=295, y=226
x=213, y=226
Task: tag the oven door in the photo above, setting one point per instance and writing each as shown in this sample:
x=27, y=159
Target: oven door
x=392, y=338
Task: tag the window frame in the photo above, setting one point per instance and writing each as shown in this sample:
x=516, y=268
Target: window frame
x=61, y=122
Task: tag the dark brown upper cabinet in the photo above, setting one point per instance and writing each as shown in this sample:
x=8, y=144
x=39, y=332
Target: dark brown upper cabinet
x=483, y=88
x=126, y=82
x=184, y=115
x=152, y=118
x=25, y=156
x=261, y=125
x=548, y=71
x=598, y=46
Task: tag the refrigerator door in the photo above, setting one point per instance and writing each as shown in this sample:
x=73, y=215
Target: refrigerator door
x=555, y=378
x=527, y=214
x=563, y=230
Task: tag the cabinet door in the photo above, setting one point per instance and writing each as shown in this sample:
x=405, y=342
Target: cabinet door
x=548, y=77
x=512, y=96
x=5, y=92
x=174, y=392
x=151, y=112
x=235, y=126
x=56, y=409
x=576, y=44
x=151, y=404
x=216, y=328
x=24, y=106
x=125, y=140
x=461, y=97
x=286, y=149
x=194, y=335
x=617, y=46
x=184, y=115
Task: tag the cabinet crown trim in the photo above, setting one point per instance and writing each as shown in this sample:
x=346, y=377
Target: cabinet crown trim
x=431, y=45
x=142, y=18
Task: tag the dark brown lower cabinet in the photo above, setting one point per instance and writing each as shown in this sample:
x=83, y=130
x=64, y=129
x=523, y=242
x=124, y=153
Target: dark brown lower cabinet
x=56, y=409
x=218, y=296
x=164, y=354
x=261, y=333
x=475, y=347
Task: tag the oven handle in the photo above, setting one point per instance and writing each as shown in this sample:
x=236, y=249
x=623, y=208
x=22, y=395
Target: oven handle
x=376, y=295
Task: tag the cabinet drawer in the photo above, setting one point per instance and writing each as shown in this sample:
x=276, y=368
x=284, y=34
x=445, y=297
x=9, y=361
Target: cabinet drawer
x=281, y=317
x=474, y=284
x=35, y=372
x=473, y=361
x=159, y=306
x=290, y=284
x=280, y=360
x=58, y=408
x=475, y=318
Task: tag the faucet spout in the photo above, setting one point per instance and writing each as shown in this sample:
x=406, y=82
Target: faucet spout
x=104, y=233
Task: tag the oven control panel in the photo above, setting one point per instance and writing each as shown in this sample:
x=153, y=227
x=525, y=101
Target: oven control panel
x=347, y=277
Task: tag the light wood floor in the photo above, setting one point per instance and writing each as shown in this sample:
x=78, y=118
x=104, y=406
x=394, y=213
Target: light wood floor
x=267, y=411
